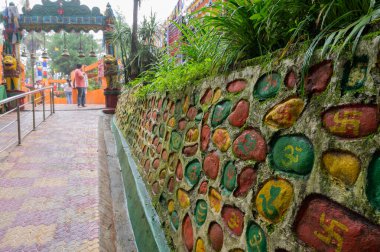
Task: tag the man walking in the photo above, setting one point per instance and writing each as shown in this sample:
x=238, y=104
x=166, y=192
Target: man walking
x=80, y=85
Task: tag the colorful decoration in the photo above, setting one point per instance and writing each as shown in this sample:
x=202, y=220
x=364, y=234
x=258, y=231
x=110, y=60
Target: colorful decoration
x=267, y=86
x=11, y=73
x=256, y=240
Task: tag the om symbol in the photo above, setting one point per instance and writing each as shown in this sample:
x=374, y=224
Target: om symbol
x=290, y=155
x=255, y=241
x=268, y=208
x=248, y=144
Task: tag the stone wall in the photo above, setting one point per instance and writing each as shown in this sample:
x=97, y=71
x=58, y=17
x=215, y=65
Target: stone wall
x=249, y=162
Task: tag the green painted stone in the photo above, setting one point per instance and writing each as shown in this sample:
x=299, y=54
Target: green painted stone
x=355, y=75
x=199, y=116
x=256, y=240
x=164, y=104
x=178, y=108
x=193, y=172
x=229, y=176
x=292, y=154
x=174, y=219
x=175, y=141
x=373, y=182
x=221, y=112
x=200, y=212
x=267, y=86
x=162, y=130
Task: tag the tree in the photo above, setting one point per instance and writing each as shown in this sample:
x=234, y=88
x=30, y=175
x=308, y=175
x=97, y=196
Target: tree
x=134, y=66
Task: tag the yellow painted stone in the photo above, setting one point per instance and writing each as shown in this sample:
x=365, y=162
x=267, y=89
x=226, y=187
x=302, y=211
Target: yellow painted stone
x=186, y=104
x=285, y=114
x=342, y=166
x=200, y=246
x=215, y=200
x=274, y=199
x=217, y=95
x=171, y=206
x=192, y=135
x=221, y=139
x=183, y=198
x=172, y=122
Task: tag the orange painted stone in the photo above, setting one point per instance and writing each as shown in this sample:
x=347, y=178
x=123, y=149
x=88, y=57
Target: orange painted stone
x=239, y=114
x=205, y=117
x=215, y=199
x=215, y=234
x=217, y=95
x=205, y=137
x=291, y=80
x=319, y=77
x=183, y=198
x=211, y=165
x=234, y=219
x=179, y=171
x=221, y=139
x=190, y=151
x=250, y=145
x=186, y=104
x=192, y=113
x=172, y=122
x=192, y=135
x=285, y=114
x=236, y=86
x=351, y=121
x=327, y=226
x=246, y=180
x=182, y=124
x=203, y=187
x=207, y=96
x=187, y=233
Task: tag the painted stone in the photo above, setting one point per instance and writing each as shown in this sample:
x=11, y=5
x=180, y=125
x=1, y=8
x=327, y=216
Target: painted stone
x=234, y=219
x=147, y=166
x=199, y=116
x=292, y=154
x=239, y=114
x=156, y=163
x=267, y=86
x=203, y=187
x=192, y=135
x=351, y=121
x=236, y=86
x=207, y=97
x=211, y=165
x=165, y=117
x=291, y=80
x=205, y=117
x=200, y=246
x=172, y=108
x=285, y=114
x=173, y=161
x=164, y=155
x=221, y=139
x=342, y=165
x=190, y=151
x=183, y=198
x=274, y=199
x=215, y=199
x=319, y=77
x=200, y=212
x=205, y=137
x=193, y=172
x=186, y=105
x=159, y=148
x=162, y=130
x=172, y=122
x=328, y=226
x=159, y=105
x=255, y=237
x=217, y=95
x=171, y=206
x=187, y=233
x=174, y=219
x=373, y=185
x=154, y=115
x=171, y=184
x=355, y=75
x=182, y=124
x=178, y=108
x=179, y=171
x=220, y=113
x=155, y=141
x=192, y=113
x=162, y=174
x=250, y=145
x=229, y=177
x=215, y=234
x=175, y=141
x=155, y=188
x=245, y=181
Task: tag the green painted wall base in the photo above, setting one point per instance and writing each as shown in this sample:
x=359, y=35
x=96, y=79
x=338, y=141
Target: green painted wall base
x=145, y=221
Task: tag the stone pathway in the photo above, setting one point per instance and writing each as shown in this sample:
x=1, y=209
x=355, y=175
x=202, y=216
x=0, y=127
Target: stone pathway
x=49, y=186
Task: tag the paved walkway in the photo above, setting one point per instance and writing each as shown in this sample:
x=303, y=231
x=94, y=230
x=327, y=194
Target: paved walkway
x=49, y=186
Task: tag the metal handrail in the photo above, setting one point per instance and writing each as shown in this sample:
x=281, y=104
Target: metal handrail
x=23, y=95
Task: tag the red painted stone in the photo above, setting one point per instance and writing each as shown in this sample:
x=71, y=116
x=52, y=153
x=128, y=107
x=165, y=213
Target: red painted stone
x=154, y=115
x=165, y=116
x=211, y=165
x=239, y=114
x=155, y=188
x=250, y=145
x=172, y=109
x=159, y=105
x=159, y=148
x=187, y=233
x=245, y=181
x=179, y=171
x=190, y=151
x=205, y=137
x=291, y=80
x=215, y=234
x=203, y=187
x=327, y=226
x=192, y=113
x=147, y=166
x=205, y=117
x=234, y=219
x=207, y=96
x=164, y=155
x=319, y=77
x=351, y=121
x=171, y=184
x=182, y=124
x=145, y=149
x=236, y=86
x=156, y=163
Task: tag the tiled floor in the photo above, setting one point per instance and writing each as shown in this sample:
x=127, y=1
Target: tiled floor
x=49, y=196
